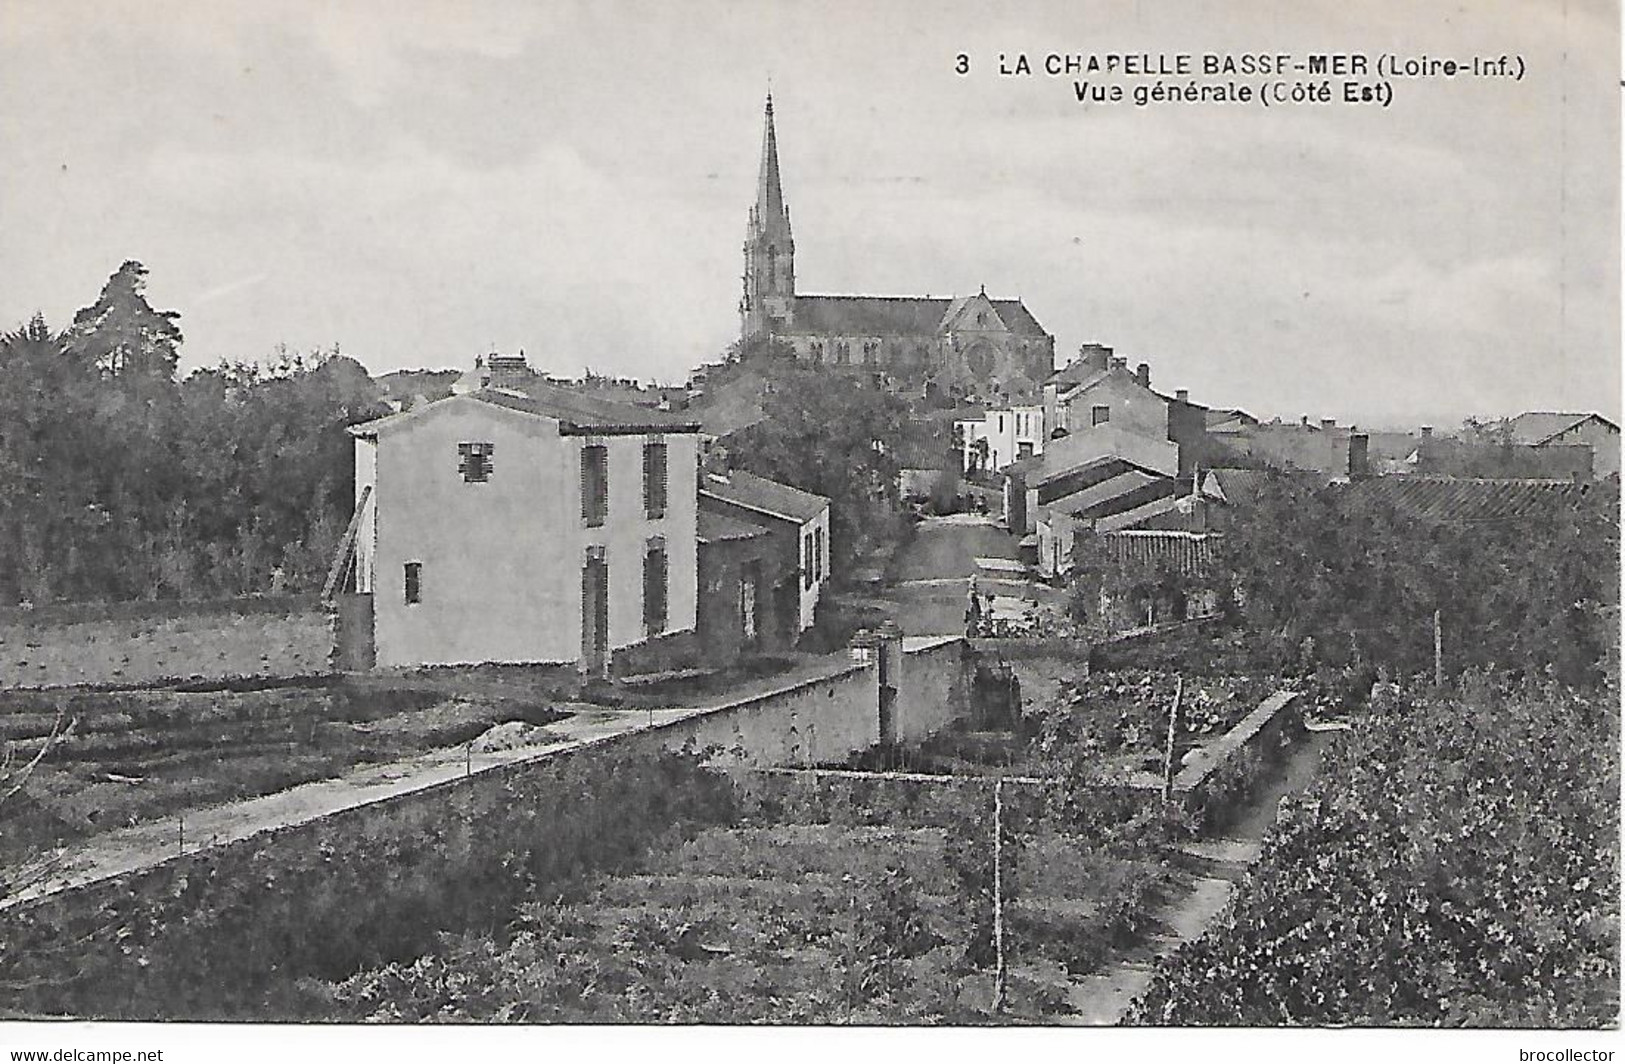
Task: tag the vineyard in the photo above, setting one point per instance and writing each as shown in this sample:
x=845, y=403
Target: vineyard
x=1456, y=864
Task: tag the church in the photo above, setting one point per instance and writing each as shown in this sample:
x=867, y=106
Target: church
x=966, y=349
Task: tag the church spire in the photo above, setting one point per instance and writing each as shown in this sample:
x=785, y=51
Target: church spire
x=770, y=250
x=769, y=193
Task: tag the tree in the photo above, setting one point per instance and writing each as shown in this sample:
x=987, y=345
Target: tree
x=835, y=435
x=122, y=334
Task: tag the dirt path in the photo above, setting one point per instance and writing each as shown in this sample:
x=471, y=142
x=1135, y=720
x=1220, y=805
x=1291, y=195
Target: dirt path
x=1100, y=1000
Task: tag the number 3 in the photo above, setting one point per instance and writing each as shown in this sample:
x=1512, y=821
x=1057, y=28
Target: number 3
x=962, y=64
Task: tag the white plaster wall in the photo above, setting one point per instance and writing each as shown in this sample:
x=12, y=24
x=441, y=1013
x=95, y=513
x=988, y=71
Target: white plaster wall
x=501, y=559
x=627, y=529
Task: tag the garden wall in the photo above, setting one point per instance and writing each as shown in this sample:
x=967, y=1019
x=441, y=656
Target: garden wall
x=934, y=686
x=134, y=644
x=799, y=723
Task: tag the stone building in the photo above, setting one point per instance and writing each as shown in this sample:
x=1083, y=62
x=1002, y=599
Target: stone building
x=960, y=349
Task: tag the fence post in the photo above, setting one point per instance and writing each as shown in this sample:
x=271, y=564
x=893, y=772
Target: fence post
x=1173, y=735
x=1438, y=651
x=998, y=895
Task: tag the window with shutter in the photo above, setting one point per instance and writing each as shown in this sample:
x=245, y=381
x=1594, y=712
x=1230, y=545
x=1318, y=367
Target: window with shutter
x=654, y=479
x=654, y=587
x=474, y=461
x=818, y=554
x=807, y=562
x=594, y=484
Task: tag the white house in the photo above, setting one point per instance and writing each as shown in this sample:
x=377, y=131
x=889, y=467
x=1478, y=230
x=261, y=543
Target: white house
x=1000, y=437
x=543, y=526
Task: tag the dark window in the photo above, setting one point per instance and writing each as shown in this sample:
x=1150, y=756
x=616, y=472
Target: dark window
x=475, y=461
x=654, y=479
x=594, y=484
x=1100, y=415
x=414, y=583
x=1024, y=449
x=818, y=554
x=654, y=587
x=807, y=562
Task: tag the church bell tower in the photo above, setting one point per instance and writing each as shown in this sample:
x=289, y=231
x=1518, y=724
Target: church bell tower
x=770, y=251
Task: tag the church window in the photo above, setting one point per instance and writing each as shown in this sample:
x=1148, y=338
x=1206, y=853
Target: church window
x=843, y=352
x=772, y=266
x=981, y=317
x=474, y=462
x=817, y=351
x=870, y=348
x=1100, y=415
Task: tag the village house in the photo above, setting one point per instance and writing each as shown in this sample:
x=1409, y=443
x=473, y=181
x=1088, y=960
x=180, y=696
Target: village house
x=741, y=569
x=1499, y=459
x=1100, y=480
x=1324, y=447
x=537, y=526
x=989, y=440
x=1097, y=390
x=1548, y=429
x=798, y=525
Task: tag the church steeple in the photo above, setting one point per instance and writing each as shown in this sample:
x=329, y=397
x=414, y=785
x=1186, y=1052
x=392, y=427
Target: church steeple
x=770, y=250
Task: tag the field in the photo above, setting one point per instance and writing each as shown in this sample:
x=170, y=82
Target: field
x=838, y=909
x=134, y=756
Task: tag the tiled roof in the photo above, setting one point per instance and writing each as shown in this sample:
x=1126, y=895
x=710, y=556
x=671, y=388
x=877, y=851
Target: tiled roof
x=1463, y=499
x=926, y=444
x=586, y=412
x=1538, y=426
x=717, y=528
x=895, y=315
x=763, y=495
x=1077, y=375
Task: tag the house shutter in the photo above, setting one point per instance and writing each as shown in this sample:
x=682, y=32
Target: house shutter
x=594, y=484
x=654, y=479
x=654, y=588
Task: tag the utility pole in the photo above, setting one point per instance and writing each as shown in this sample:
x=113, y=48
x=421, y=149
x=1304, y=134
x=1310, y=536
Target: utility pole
x=1438, y=651
x=1173, y=735
x=998, y=895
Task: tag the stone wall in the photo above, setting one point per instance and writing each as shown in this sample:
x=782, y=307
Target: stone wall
x=135, y=644
x=933, y=687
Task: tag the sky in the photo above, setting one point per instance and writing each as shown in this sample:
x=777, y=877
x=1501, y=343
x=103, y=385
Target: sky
x=422, y=182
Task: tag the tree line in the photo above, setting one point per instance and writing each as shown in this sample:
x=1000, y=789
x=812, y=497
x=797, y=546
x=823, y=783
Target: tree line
x=124, y=482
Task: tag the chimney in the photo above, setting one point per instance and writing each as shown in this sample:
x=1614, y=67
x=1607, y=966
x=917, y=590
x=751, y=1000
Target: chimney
x=1304, y=421
x=1183, y=395
x=1328, y=422
x=1142, y=373
x=1427, y=432
x=1119, y=362
x=1095, y=356
x=1359, y=456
